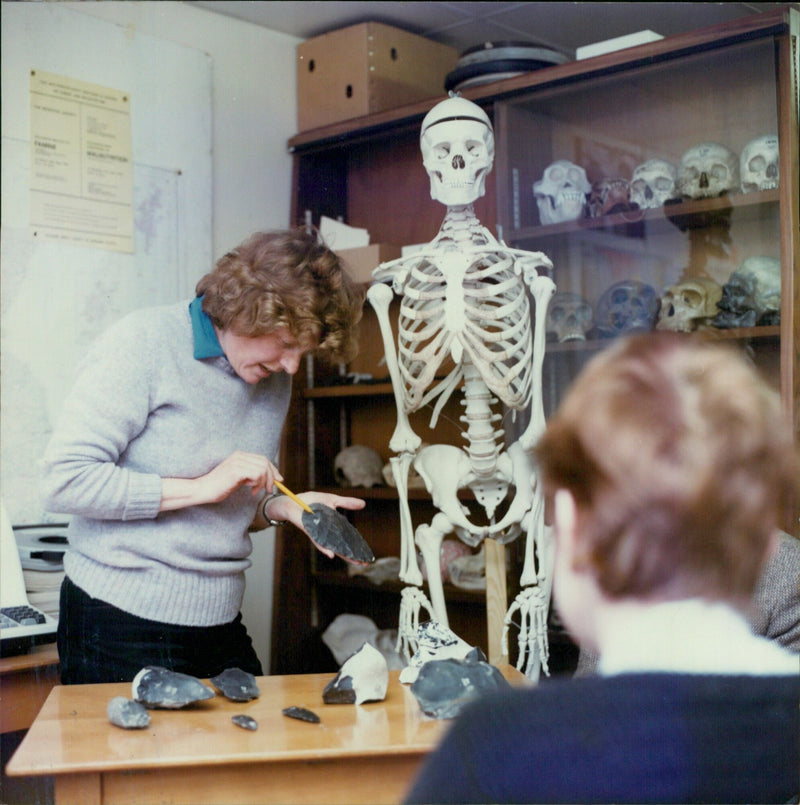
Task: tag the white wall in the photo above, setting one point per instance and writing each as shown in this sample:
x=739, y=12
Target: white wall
x=254, y=102
x=253, y=107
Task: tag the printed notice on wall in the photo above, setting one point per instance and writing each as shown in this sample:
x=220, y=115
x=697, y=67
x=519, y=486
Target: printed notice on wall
x=81, y=163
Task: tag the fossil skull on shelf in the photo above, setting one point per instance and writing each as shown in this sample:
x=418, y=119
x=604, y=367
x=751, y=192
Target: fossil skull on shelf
x=608, y=196
x=752, y=294
x=708, y=170
x=358, y=465
x=653, y=183
x=628, y=306
x=758, y=164
x=561, y=192
x=569, y=317
x=689, y=305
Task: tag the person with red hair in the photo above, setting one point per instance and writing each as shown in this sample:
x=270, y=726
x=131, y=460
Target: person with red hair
x=667, y=469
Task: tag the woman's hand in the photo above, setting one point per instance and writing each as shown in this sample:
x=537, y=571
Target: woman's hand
x=284, y=508
x=237, y=470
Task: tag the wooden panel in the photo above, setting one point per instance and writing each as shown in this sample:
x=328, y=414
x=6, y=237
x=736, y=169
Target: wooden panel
x=25, y=684
x=80, y=789
x=299, y=783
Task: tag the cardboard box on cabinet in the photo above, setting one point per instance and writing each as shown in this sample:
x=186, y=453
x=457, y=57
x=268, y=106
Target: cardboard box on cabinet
x=364, y=69
x=361, y=262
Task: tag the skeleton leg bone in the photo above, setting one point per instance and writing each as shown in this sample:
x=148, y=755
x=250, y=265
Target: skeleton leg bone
x=429, y=538
x=409, y=569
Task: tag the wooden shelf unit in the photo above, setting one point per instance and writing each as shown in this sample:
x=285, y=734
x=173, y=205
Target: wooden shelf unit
x=369, y=171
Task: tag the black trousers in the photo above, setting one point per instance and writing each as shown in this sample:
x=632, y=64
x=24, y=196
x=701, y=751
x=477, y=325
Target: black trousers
x=99, y=643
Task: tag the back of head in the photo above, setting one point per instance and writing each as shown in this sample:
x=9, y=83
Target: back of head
x=681, y=465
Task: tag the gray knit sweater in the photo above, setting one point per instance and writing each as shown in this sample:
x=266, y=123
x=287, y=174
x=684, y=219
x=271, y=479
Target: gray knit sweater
x=143, y=408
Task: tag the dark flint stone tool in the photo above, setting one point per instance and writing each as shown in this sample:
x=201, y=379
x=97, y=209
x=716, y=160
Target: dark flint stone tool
x=333, y=531
x=236, y=685
x=245, y=722
x=301, y=714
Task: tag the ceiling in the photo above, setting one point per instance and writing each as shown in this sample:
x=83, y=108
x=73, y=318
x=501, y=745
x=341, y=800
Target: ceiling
x=563, y=26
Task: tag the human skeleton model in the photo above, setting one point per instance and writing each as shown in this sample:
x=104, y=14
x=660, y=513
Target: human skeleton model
x=465, y=309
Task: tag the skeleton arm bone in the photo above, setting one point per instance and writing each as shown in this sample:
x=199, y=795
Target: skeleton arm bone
x=542, y=288
x=403, y=439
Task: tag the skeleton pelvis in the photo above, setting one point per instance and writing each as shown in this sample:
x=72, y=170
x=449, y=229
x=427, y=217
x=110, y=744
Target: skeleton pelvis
x=446, y=470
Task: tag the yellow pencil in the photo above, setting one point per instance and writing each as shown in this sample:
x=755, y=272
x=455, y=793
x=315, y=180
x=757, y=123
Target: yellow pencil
x=289, y=493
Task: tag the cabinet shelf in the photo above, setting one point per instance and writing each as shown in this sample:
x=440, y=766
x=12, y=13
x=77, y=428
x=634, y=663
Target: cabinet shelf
x=732, y=334
x=355, y=390
x=680, y=213
x=729, y=84
x=340, y=578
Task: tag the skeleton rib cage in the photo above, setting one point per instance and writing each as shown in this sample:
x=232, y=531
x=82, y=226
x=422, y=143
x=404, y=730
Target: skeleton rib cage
x=492, y=327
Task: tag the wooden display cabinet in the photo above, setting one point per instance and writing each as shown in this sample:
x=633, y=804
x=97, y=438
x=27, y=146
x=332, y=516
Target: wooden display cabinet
x=727, y=84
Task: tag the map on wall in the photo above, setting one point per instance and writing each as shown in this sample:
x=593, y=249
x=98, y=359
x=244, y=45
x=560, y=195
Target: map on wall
x=48, y=321
x=58, y=295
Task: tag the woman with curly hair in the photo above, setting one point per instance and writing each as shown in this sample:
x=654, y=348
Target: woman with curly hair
x=164, y=456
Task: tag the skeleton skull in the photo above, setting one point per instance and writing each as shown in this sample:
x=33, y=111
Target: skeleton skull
x=569, y=317
x=358, y=466
x=758, y=164
x=689, y=305
x=752, y=295
x=653, y=183
x=626, y=307
x=608, y=196
x=561, y=192
x=457, y=146
x=708, y=170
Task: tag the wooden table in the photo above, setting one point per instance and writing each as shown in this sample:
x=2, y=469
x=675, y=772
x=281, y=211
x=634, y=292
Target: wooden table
x=367, y=753
x=25, y=682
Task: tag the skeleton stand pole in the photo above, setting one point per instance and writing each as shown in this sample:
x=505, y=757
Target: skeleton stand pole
x=496, y=599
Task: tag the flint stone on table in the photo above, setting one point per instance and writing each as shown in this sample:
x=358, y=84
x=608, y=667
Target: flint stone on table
x=444, y=687
x=160, y=688
x=364, y=677
x=436, y=642
x=301, y=714
x=332, y=530
x=236, y=685
x=245, y=722
x=127, y=714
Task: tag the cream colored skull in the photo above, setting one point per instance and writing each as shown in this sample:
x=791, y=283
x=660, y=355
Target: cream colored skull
x=561, y=192
x=688, y=305
x=653, y=183
x=358, y=466
x=457, y=146
x=569, y=317
x=758, y=164
x=708, y=170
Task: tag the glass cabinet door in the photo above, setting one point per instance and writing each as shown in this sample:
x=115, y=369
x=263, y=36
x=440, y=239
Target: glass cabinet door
x=654, y=191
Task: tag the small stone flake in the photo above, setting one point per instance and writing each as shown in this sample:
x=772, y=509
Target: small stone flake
x=301, y=714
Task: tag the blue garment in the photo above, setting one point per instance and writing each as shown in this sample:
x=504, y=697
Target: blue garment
x=206, y=343
x=654, y=737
